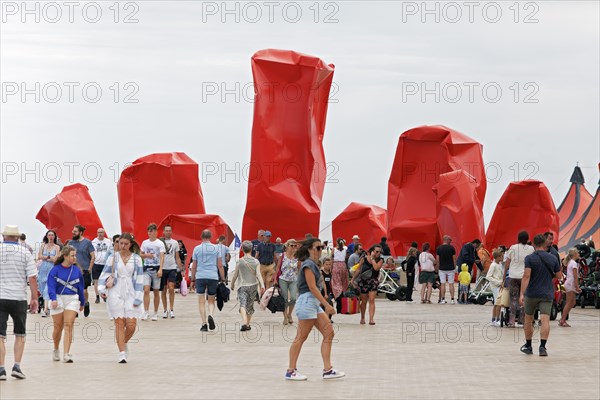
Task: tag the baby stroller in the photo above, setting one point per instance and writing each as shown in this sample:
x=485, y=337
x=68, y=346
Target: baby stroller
x=389, y=283
x=482, y=293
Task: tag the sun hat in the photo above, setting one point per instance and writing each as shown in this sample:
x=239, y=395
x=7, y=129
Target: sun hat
x=11, y=230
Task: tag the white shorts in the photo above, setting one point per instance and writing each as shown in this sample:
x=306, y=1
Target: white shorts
x=495, y=290
x=66, y=302
x=446, y=276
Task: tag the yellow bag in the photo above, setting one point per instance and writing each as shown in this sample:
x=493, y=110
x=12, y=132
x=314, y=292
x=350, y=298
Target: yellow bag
x=503, y=298
x=354, y=267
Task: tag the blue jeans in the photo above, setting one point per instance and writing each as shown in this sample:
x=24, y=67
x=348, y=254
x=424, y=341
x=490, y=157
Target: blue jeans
x=292, y=287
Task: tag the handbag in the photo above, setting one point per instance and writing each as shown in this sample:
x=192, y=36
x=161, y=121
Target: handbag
x=367, y=273
x=276, y=302
x=110, y=281
x=183, y=288
x=503, y=299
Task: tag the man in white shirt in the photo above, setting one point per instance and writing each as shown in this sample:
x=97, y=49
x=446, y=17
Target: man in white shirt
x=101, y=245
x=170, y=267
x=16, y=268
x=153, y=254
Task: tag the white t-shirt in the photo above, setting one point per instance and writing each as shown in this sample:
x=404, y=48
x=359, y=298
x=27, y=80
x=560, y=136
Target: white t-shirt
x=154, y=247
x=101, y=247
x=339, y=255
x=171, y=252
x=517, y=253
x=426, y=260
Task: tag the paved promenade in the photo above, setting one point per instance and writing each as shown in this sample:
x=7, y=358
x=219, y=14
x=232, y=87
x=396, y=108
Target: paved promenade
x=414, y=351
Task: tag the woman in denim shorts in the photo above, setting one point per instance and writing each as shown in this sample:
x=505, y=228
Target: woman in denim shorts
x=310, y=313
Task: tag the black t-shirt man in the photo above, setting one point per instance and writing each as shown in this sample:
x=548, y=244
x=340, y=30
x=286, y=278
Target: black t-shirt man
x=446, y=253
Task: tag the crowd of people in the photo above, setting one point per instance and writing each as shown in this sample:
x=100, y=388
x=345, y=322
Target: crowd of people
x=312, y=278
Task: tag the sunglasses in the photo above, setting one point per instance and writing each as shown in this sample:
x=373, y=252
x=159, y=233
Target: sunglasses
x=319, y=248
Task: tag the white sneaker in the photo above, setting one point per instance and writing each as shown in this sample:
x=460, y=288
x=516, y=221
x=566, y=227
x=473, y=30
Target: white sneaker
x=171, y=314
x=165, y=315
x=452, y=301
x=122, y=357
x=443, y=301
x=333, y=374
x=56, y=355
x=295, y=376
x=68, y=358
x=155, y=317
x=145, y=316
x=496, y=323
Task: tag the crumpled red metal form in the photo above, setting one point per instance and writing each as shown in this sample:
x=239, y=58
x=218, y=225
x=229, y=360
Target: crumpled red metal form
x=369, y=222
x=459, y=210
x=524, y=206
x=189, y=227
x=287, y=169
x=422, y=155
x=73, y=206
x=155, y=186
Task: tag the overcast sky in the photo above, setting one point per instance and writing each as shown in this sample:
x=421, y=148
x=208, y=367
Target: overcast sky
x=173, y=57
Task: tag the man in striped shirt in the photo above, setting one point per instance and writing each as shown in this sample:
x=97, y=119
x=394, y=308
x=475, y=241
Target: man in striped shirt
x=16, y=267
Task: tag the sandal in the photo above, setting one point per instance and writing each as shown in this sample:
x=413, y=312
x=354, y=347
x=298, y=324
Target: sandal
x=362, y=321
x=371, y=323
x=564, y=324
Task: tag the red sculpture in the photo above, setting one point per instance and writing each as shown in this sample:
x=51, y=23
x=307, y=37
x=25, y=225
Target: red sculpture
x=73, y=206
x=459, y=210
x=189, y=227
x=367, y=221
x=287, y=168
x=422, y=155
x=525, y=205
x=156, y=186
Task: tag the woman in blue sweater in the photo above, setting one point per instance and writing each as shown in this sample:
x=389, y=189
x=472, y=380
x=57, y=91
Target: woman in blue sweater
x=65, y=290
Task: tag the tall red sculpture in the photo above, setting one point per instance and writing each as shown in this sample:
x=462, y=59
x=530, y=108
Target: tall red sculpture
x=525, y=205
x=422, y=155
x=155, y=186
x=73, y=206
x=459, y=210
x=369, y=222
x=287, y=170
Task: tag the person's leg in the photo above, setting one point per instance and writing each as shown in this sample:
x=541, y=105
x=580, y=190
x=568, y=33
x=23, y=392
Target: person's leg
x=570, y=302
x=172, y=295
x=130, y=327
x=244, y=315
x=429, y=290
x=424, y=291
x=2, y=349
x=442, y=291
x=293, y=288
x=156, y=286
x=304, y=328
x=451, y=284
x=410, y=283
x=363, y=306
x=146, y=297
x=324, y=326
x=545, y=328
x=284, y=291
x=163, y=291
x=120, y=333
x=528, y=326
x=202, y=307
x=58, y=323
x=19, y=348
x=263, y=273
x=372, y=306
x=211, y=305
x=514, y=289
x=69, y=319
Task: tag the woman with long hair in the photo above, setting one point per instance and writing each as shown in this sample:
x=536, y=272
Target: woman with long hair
x=286, y=275
x=48, y=255
x=367, y=277
x=309, y=310
x=428, y=273
x=409, y=266
x=339, y=279
x=122, y=285
x=571, y=284
x=66, y=293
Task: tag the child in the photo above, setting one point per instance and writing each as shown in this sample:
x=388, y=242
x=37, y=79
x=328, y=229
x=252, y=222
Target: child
x=494, y=276
x=326, y=273
x=464, y=284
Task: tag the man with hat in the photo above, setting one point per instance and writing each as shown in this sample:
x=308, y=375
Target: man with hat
x=355, y=241
x=265, y=253
x=16, y=267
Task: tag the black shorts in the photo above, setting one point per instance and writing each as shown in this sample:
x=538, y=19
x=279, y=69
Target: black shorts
x=17, y=309
x=97, y=271
x=87, y=279
x=168, y=275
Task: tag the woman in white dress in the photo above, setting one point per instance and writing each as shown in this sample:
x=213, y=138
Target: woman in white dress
x=124, y=298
